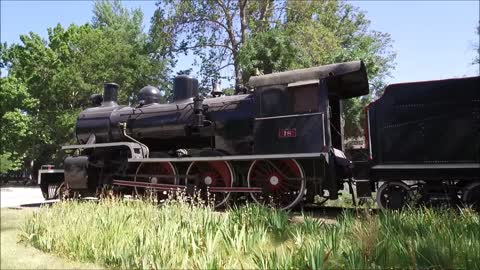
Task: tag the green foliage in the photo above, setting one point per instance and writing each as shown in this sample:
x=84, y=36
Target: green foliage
x=14, y=95
x=16, y=122
x=322, y=32
x=261, y=37
x=214, y=31
x=354, y=115
x=113, y=16
x=8, y=163
x=229, y=91
x=267, y=52
x=50, y=81
x=140, y=235
x=337, y=32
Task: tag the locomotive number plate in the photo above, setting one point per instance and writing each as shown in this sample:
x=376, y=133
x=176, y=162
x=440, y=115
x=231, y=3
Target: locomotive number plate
x=287, y=133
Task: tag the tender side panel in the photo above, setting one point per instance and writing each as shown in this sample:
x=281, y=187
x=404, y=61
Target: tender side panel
x=427, y=123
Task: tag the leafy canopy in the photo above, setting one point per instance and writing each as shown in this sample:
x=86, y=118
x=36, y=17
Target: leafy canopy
x=50, y=80
x=265, y=36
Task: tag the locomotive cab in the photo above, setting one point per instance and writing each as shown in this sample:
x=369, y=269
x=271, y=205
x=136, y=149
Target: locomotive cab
x=290, y=118
x=301, y=112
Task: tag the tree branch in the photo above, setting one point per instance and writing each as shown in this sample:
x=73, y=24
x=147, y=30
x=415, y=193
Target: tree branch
x=205, y=20
x=229, y=25
x=224, y=66
x=200, y=46
x=263, y=12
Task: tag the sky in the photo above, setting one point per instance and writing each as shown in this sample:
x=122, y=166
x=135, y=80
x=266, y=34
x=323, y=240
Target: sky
x=432, y=39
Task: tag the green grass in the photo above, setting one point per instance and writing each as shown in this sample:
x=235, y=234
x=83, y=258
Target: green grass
x=140, y=235
x=16, y=255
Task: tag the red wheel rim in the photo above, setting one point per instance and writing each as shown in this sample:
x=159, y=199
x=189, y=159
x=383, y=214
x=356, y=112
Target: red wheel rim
x=282, y=182
x=207, y=174
x=156, y=173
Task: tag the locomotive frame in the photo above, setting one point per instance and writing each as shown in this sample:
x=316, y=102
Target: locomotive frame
x=288, y=149
x=282, y=142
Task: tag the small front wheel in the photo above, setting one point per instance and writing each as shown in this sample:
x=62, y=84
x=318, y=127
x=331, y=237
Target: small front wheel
x=63, y=192
x=471, y=195
x=393, y=195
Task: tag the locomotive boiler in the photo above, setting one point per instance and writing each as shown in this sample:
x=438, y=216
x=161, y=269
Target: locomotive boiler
x=281, y=141
x=189, y=122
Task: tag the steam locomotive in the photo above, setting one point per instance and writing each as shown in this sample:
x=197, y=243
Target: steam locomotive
x=280, y=142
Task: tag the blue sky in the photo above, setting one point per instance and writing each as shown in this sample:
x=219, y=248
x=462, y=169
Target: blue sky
x=433, y=39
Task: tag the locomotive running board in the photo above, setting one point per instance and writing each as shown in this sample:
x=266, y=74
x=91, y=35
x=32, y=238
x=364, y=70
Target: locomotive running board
x=136, y=150
x=168, y=187
x=236, y=189
x=427, y=166
x=228, y=158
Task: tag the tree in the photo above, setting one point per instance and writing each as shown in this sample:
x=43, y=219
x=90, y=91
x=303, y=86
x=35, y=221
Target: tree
x=133, y=50
x=214, y=30
x=62, y=71
x=16, y=123
x=268, y=36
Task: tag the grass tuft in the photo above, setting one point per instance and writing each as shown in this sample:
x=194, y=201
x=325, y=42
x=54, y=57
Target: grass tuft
x=141, y=235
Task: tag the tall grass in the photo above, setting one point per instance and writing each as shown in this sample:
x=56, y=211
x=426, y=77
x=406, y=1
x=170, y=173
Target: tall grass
x=141, y=235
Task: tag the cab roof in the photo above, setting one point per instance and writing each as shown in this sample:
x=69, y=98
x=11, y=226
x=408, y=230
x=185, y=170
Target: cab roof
x=345, y=80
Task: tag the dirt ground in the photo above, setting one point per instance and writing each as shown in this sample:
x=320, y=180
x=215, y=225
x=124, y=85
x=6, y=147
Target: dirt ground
x=20, y=195
x=17, y=255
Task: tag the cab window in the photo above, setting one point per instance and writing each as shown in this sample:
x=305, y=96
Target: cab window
x=304, y=98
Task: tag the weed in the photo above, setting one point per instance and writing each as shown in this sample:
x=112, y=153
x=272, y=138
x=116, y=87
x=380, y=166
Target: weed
x=185, y=234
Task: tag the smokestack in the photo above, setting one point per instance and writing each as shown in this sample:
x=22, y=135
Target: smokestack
x=184, y=87
x=110, y=94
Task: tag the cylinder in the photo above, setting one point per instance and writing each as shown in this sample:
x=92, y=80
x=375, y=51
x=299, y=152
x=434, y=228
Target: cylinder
x=184, y=87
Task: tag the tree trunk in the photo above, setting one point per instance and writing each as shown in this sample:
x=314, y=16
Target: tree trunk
x=243, y=38
x=238, y=74
x=243, y=20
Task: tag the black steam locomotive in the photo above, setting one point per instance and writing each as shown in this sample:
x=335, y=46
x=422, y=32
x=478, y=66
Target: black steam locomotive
x=280, y=141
